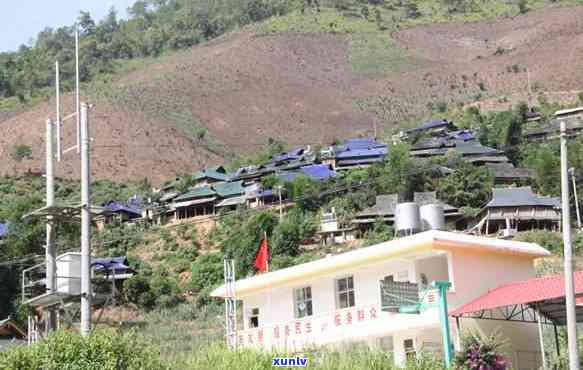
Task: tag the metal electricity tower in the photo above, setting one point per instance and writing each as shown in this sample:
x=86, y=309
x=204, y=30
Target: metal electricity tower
x=230, y=303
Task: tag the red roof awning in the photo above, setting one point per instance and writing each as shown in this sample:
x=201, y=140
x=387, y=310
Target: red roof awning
x=534, y=292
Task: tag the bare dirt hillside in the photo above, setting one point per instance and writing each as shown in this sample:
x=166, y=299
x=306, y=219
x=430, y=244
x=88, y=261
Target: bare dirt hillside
x=229, y=96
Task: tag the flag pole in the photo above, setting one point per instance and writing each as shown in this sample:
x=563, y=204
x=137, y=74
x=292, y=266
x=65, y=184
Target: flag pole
x=267, y=263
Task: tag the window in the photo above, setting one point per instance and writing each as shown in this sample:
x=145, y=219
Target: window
x=345, y=292
x=254, y=318
x=409, y=345
x=402, y=276
x=303, y=302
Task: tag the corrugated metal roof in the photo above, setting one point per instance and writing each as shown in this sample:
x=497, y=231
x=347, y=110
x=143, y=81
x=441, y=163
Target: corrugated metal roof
x=116, y=207
x=430, y=197
x=474, y=147
x=508, y=171
x=362, y=152
x=216, y=173
x=229, y=189
x=232, y=201
x=318, y=171
x=533, y=291
x=192, y=193
x=112, y=264
x=522, y=196
x=361, y=143
x=385, y=205
x=355, y=162
x=429, y=125
x=193, y=202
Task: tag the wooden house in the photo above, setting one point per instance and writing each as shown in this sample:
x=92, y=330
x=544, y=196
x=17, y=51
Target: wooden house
x=355, y=153
x=520, y=209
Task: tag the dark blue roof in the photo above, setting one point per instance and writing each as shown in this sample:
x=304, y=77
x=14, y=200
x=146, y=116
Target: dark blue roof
x=362, y=143
x=318, y=171
x=3, y=229
x=111, y=263
x=362, y=152
x=116, y=207
x=287, y=176
x=464, y=135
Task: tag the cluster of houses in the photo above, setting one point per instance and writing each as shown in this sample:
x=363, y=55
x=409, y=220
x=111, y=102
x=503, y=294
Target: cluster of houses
x=213, y=190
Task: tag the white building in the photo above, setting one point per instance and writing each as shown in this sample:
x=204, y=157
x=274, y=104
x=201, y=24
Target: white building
x=338, y=299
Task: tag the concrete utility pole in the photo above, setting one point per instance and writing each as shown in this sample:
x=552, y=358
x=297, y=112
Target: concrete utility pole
x=50, y=250
x=568, y=252
x=77, y=93
x=572, y=173
x=58, y=108
x=85, y=224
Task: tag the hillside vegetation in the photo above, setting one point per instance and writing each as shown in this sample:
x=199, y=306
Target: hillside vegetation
x=328, y=69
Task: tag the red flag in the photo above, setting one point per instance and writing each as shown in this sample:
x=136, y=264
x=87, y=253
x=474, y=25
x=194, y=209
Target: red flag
x=262, y=258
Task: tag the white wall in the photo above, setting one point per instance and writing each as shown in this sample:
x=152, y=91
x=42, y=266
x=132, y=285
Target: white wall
x=472, y=274
x=476, y=273
x=276, y=306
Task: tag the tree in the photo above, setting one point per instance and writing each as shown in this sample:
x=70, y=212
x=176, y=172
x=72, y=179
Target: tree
x=467, y=186
x=86, y=23
x=296, y=227
x=305, y=192
x=381, y=232
x=545, y=161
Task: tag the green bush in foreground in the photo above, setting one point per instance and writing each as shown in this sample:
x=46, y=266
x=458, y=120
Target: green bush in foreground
x=103, y=350
x=353, y=358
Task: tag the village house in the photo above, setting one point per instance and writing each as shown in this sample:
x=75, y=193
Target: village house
x=551, y=131
x=354, y=153
x=382, y=295
x=332, y=231
x=519, y=209
x=118, y=213
x=433, y=128
x=508, y=174
x=211, y=175
x=471, y=151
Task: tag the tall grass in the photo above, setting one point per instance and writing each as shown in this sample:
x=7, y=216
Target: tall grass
x=219, y=357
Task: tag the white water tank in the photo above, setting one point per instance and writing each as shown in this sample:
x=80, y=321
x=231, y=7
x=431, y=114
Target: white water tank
x=407, y=219
x=432, y=217
x=69, y=273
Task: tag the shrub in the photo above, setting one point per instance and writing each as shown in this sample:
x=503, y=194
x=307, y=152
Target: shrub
x=104, y=349
x=380, y=232
x=522, y=6
x=481, y=351
x=150, y=290
x=21, y=152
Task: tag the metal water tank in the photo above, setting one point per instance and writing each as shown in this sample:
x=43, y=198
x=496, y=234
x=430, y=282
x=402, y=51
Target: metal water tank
x=432, y=217
x=407, y=219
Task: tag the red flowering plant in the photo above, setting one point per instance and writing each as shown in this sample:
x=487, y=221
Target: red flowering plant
x=482, y=352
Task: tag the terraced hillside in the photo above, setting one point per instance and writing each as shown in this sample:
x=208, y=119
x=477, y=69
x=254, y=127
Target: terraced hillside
x=308, y=79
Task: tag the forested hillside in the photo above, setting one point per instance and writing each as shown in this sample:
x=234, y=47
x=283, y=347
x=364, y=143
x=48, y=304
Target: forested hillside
x=170, y=96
